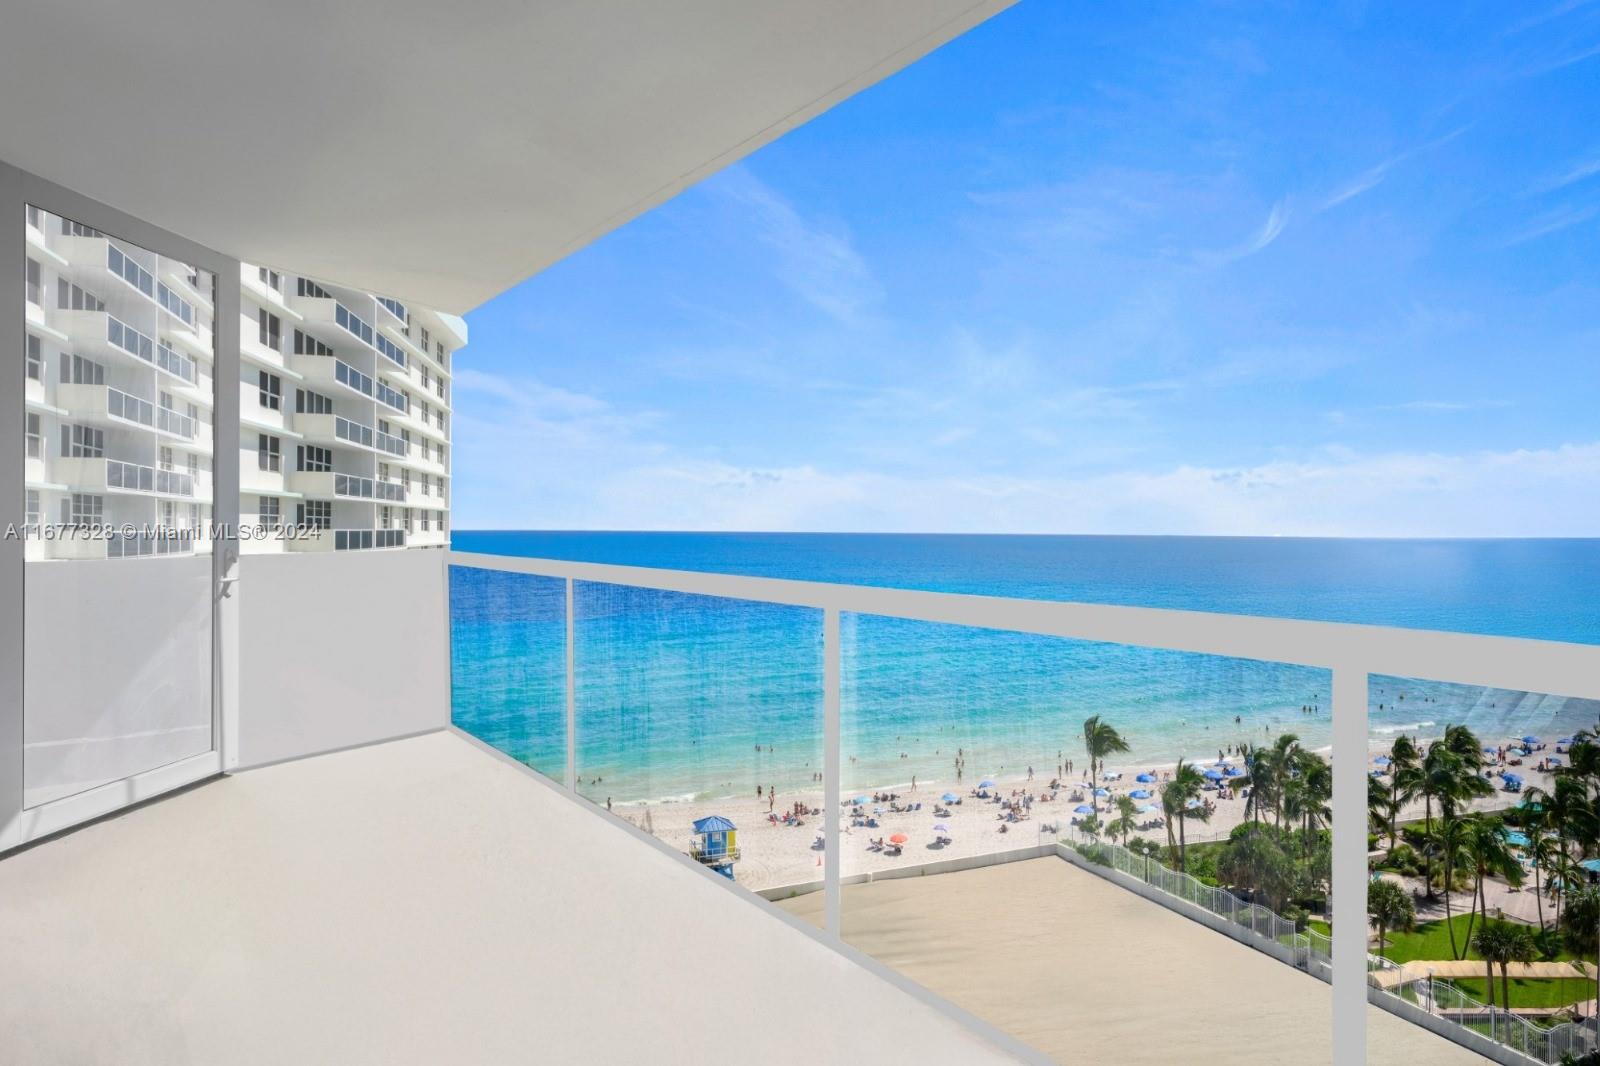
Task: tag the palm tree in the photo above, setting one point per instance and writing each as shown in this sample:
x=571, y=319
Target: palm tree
x=1542, y=853
x=1126, y=821
x=1185, y=785
x=1380, y=807
x=1390, y=907
x=1501, y=944
x=1281, y=764
x=1099, y=740
x=1493, y=943
x=1403, y=756
x=1490, y=856
x=1448, y=843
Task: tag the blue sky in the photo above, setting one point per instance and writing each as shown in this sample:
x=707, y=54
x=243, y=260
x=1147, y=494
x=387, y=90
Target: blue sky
x=1253, y=269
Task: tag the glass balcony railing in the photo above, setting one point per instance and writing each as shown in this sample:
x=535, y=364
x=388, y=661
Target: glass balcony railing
x=133, y=477
x=354, y=432
x=386, y=442
x=121, y=405
x=1016, y=777
x=349, y=376
x=364, y=539
x=122, y=336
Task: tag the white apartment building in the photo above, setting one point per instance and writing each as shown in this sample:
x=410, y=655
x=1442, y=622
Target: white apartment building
x=344, y=416
x=344, y=426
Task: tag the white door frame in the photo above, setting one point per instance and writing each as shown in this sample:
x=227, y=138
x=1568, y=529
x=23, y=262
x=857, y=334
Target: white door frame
x=19, y=825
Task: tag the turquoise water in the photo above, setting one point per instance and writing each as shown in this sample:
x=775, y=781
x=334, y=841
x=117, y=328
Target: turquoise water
x=682, y=696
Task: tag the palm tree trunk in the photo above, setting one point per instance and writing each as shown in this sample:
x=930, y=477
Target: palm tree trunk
x=1538, y=896
x=1505, y=985
x=1183, y=846
x=1472, y=912
x=1488, y=967
x=1448, y=923
x=1427, y=860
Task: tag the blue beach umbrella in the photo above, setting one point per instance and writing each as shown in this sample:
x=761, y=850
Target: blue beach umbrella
x=1491, y=751
x=1530, y=739
x=1148, y=808
x=1233, y=771
x=987, y=782
x=1564, y=740
x=949, y=797
x=859, y=800
x=1140, y=794
x=1382, y=760
x=1101, y=792
x=1145, y=778
x=1213, y=775
x=1083, y=808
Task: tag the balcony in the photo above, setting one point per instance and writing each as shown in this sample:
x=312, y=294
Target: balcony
x=346, y=539
x=118, y=476
x=104, y=404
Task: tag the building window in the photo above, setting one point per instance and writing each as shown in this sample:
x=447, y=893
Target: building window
x=315, y=514
x=34, y=516
x=267, y=453
x=307, y=287
x=35, y=437
x=83, y=509
x=311, y=458
x=35, y=284
x=191, y=463
x=76, y=370
x=305, y=344
x=270, y=391
x=425, y=341
x=271, y=512
x=70, y=228
x=83, y=442
x=307, y=402
x=268, y=330
x=70, y=297
x=405, y=480
x=444, y=356
x=270, y=278
x=164, y=458
x=34, y=364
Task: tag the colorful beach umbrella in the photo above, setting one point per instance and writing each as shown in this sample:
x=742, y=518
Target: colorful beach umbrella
x=1140, y=794
x=1145, y=778
x=1083, y=808
x=899, y=838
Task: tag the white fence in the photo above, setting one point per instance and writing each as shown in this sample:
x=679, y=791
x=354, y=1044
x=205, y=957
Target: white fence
x=1313, y=952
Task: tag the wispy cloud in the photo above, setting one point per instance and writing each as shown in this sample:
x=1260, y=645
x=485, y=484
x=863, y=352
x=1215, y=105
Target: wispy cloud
x=1445, y=406
x=1373, y=176
x=1270, y=230
x=818, y=261
x=1580, y=172
x=1553, y=222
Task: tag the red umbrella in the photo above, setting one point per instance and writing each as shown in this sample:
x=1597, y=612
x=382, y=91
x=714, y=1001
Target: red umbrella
x=899, y=838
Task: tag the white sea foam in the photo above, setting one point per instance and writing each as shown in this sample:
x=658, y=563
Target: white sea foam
x=1408, y=727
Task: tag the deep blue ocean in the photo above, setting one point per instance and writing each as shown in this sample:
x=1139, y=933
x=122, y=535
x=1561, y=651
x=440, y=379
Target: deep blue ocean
x=683, y=696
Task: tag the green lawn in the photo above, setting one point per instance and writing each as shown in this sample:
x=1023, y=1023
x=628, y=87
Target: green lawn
x=1431, y=940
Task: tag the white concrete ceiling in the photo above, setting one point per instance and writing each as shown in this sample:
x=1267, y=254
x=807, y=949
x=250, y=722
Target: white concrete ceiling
x=436, y=151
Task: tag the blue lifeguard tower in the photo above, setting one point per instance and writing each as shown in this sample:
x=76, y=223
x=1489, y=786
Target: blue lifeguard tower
x=716, y=844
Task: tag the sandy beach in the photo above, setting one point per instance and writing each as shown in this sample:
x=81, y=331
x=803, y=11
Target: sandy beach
x=776, y=855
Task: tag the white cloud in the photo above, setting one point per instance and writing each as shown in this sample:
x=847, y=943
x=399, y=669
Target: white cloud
x=819, y=262
x=582, y=465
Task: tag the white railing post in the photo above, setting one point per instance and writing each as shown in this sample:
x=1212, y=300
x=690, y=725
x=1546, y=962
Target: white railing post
x=831, y=775
x=572, y=699
x=1349, y=877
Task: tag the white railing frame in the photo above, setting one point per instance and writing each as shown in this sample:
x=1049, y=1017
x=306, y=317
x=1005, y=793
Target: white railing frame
x=1352, y=653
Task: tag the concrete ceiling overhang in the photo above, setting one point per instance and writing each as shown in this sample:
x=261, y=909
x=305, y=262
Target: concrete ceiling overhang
x=438, y=152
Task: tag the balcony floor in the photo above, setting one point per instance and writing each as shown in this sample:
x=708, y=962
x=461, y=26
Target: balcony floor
x=414, y=902
x=1087, y=971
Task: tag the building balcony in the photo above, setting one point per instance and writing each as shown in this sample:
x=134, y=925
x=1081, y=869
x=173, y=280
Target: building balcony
x=103, y=475
x=347, y=539
x=107, y=405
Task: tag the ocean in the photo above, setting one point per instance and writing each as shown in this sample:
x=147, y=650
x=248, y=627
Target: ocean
x=684, y=697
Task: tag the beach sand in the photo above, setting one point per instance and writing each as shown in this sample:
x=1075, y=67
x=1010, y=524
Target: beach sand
x=774, y=856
